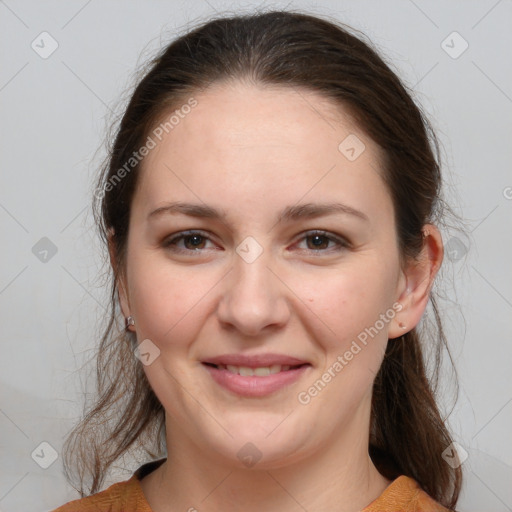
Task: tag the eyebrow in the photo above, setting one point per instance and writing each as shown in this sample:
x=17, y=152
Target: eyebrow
x=290, y=213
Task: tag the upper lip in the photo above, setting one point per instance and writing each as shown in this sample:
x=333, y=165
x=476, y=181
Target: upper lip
x=255, y=361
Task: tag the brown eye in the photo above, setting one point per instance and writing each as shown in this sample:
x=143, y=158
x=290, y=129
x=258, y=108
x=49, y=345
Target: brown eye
x=193, y=241
x=318, y=241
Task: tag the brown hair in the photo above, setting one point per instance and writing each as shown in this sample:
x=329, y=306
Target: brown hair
x=407, y=434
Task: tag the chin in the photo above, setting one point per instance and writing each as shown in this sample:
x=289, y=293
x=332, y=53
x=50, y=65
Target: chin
x=263, y=447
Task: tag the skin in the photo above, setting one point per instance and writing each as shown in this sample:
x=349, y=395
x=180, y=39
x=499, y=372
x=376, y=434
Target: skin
x=252, y=150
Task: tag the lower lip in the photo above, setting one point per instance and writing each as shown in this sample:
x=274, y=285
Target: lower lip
x=254, y=386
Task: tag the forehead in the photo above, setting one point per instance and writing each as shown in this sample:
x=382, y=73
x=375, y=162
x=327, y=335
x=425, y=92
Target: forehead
x=237, y=116
x=242, y=143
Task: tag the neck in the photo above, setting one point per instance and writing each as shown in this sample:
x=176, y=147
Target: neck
x=338, y=476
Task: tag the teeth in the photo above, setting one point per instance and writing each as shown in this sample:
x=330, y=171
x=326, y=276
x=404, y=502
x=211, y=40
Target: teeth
x=245, y=372
x=262, y=371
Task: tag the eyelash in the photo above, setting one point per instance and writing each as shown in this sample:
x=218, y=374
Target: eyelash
x=170, y=243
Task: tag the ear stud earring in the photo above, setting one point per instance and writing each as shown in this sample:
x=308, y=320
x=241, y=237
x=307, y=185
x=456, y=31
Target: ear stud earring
x=129, y=321
x=401, y=325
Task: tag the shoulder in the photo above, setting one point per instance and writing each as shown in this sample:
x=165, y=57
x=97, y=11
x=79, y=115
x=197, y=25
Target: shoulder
x=120, y=497
x=404, y=495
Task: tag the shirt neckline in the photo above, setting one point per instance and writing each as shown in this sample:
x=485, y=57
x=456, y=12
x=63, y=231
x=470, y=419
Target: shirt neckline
x=394, y=491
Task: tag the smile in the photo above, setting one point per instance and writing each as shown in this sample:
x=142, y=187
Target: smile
x=254, y=378
x=261, y=371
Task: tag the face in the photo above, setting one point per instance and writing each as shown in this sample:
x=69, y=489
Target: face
x=266, y=319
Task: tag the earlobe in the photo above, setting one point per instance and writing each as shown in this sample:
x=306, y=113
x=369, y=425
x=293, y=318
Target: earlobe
x=400, y=324
x=122, y=295
x=129, y=323
x=419, y=276
x=124, y=304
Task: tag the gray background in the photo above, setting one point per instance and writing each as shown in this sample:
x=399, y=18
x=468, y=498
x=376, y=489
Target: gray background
x=54, y=114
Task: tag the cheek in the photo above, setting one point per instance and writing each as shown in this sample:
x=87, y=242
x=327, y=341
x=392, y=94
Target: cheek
x=166, y=301
x=351, y=334
x=348, y=301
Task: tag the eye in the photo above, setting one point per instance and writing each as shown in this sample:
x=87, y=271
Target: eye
x=193, y=241
x=321, y=239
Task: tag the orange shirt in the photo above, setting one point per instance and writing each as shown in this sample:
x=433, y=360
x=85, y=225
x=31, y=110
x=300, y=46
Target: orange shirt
x=402, y=495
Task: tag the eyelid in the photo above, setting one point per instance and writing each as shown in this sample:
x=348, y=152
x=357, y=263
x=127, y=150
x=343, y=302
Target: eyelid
x=341, y=241
x=181, y=235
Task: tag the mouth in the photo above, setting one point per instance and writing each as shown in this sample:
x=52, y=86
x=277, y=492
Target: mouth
x=259, y=371
x=256, y=376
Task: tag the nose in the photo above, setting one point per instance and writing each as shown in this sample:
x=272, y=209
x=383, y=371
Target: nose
x=254, y=299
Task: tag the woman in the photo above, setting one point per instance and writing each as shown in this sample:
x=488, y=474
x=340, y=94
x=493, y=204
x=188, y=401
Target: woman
x=269, y=207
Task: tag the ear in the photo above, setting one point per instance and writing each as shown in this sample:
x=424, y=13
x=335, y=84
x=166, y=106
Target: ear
x=124, y=301
x=416, y=281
